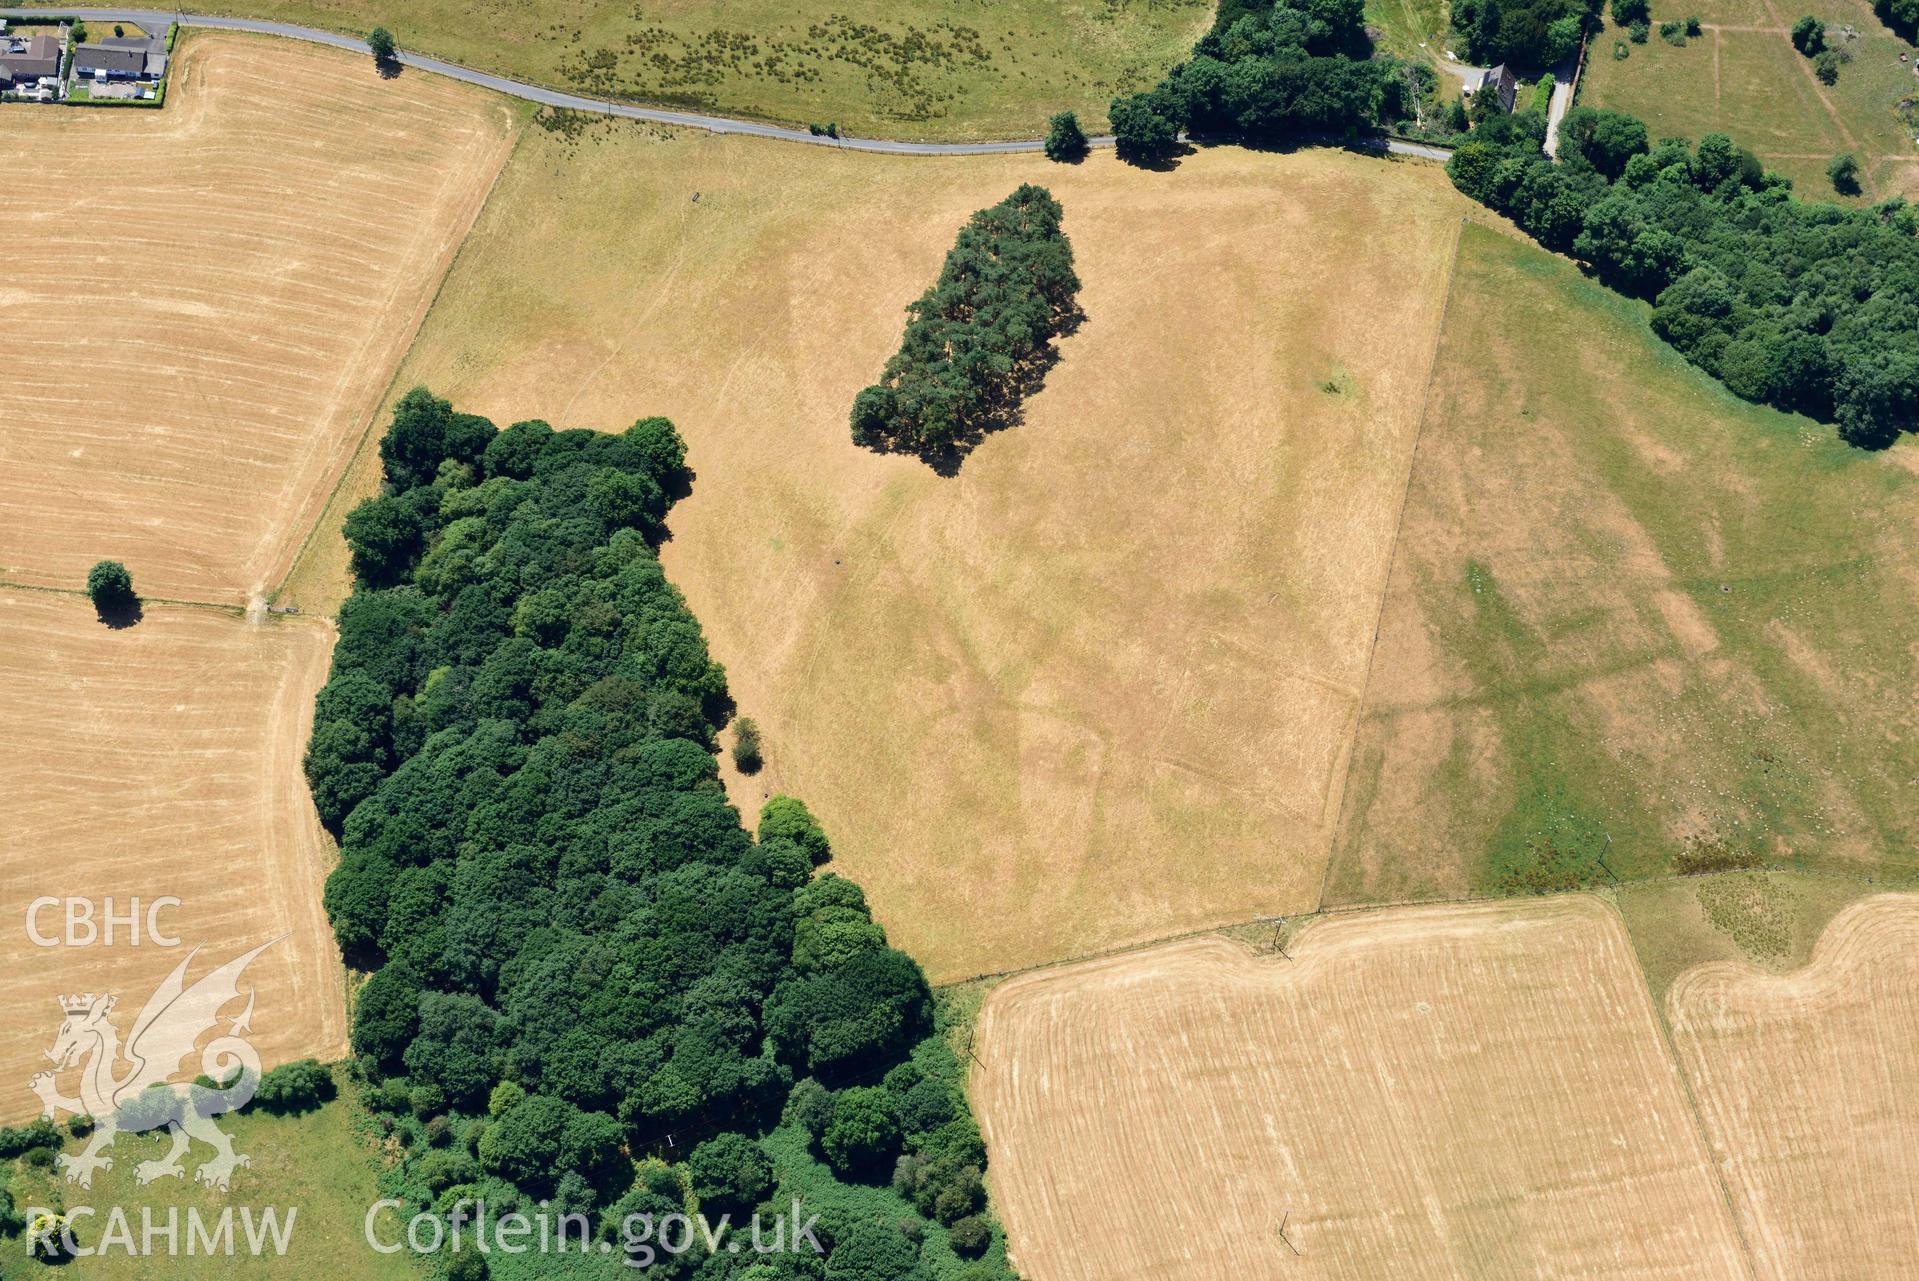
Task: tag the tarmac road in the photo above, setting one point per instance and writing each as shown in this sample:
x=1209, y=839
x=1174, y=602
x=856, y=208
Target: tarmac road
x=156, y=20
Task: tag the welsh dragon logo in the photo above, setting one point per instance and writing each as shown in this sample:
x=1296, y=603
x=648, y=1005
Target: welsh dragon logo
x=140, y=1096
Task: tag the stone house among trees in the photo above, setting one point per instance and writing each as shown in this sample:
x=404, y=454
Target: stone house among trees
x=1501, y=83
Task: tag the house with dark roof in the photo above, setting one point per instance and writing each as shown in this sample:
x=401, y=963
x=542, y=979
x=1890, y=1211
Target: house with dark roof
x=1502, y=83
x=22, y=62
x=121, y=58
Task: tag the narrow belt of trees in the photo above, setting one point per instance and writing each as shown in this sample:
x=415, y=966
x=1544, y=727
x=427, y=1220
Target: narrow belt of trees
x=1804, y=306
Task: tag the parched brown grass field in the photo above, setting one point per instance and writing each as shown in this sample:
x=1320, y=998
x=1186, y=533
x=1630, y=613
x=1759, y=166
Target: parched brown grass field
x=1454, y=1092
x=204, y=304
x=1809, y=1084
x=161, y=759
x=1096, y=688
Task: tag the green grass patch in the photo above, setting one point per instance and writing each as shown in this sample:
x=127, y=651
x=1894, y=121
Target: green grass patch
x=1415, y=29
x=1632, y=617
x=1753, y=85
x=1769, y=919
x=323, y=1166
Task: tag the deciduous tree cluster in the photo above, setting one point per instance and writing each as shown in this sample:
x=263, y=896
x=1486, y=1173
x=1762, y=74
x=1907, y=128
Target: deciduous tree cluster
x=1266, y=73
x=1533, y=33
x=584, y=968
x=977, y=340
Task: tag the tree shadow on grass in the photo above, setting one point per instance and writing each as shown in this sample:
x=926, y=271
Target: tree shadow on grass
x=1027, y=379
x=1162, y=164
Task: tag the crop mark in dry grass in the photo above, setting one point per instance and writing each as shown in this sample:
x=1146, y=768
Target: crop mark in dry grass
x=1095, y=688
x=1600, y=642
x=1334, y=795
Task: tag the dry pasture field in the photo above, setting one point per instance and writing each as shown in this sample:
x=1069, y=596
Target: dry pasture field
x=1464, y=1091
x=161, y=759
x=1809, y=1085
x=204, y=304
x=1097, y=687
x=1632, y=621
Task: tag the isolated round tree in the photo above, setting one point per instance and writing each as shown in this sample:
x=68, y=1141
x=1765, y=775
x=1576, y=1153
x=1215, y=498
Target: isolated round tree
x=380, y=41
x=110, y=587
x=1065, y=140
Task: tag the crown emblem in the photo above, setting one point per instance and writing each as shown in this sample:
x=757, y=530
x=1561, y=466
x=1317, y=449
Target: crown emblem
x=83, y=1004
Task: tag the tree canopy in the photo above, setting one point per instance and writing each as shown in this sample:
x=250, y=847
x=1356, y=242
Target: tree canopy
x=1804, y=306
x=1065, y=140
x=1532, y=33
x=1267, y=73
x=580, y=959
x=978, y=340
x=110, y=588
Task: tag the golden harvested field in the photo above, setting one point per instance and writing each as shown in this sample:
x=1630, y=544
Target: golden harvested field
x=161, y=759
x=1460, y=1092
x=1809, y=1084
x=204, y=305
x=1097, y=687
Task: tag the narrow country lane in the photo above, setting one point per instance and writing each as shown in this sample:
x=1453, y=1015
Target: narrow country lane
x=156, y=20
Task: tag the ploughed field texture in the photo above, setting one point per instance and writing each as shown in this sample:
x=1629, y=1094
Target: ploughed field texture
x=1809, y=1086
x=160, y=760
x=205, y=303
x=1096, y=687
x=1634, y=625
x=1458, y=1092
